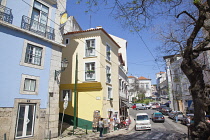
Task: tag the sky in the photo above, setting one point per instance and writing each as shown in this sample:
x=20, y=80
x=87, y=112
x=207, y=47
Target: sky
x=141, y=61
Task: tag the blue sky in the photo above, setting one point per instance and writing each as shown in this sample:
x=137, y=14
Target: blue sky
x=140, y=60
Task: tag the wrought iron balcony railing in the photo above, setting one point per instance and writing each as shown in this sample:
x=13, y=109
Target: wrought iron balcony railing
x=6, y=14
x=37, y=27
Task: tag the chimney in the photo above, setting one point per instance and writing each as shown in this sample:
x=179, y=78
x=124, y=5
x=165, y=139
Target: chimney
x=98, y=27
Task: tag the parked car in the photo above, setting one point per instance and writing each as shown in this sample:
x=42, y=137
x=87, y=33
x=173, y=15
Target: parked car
x=158, y=117
x=148, y=106
x=140, y=106
x=172, y=115
x=184, y=119
x=160, y=107
x=165, y=110
x=155, y=106
x=133, y=106
x=142, y=122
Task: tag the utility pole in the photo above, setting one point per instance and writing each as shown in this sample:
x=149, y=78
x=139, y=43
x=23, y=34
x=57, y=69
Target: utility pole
x=75, y=94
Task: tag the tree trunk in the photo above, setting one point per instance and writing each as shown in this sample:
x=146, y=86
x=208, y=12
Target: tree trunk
x=200, y=129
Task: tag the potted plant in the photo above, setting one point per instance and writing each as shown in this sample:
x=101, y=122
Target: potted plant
x=110, y=99
x=90, y=71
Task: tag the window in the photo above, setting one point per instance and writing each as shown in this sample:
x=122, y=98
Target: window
x=33, y=55
x=39, y=17
x=147, y=86
x=108, y=74
x=29, y=84
x=109, y=93
x=90, y=47
x=108, y=52
x=25, y=120
x=90, y=71
x=64, y=92
x=67, y=41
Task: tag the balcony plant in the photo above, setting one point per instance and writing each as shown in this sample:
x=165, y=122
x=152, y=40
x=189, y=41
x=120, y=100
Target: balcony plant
x=111, y=99
x=90, y=71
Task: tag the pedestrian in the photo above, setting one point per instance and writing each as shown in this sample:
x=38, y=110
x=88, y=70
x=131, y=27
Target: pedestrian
x=176, y=117
x=207, y=119
x=188, y=120
x=127, y=123
x=101, y=126
x=192, y=120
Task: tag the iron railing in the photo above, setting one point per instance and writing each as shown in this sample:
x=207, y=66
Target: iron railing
x=6, y=14
x=37, y=27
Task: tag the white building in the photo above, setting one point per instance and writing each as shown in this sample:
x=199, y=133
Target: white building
x=145, y=83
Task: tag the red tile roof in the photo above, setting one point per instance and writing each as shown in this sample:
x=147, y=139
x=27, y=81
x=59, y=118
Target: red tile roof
x=92, y=30
x=143, y=78
x=131, y=77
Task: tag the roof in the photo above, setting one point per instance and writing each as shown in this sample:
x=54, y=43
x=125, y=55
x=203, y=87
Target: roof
x=160, y=72
x=131, y=77
x=93, y=30
x=143, y=78
x=141, y=114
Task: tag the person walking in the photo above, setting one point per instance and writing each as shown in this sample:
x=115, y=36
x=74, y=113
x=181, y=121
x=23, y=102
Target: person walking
x=101, y=126
x=127, y=123
x=176, y=117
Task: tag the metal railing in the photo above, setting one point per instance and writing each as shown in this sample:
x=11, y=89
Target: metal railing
x=6, y=14
x=37, y=27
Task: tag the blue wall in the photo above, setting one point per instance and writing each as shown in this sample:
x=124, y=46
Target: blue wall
x=11, y=45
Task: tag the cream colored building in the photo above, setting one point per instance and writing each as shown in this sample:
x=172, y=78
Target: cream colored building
x=98, y=85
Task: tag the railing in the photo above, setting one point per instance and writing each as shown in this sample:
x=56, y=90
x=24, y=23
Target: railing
x=37, y=27
x=6, y=14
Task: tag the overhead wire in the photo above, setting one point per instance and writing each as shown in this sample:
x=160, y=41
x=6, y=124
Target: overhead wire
x=120, y=6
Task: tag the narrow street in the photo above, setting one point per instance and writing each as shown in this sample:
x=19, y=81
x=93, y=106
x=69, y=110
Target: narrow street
x=169, y=130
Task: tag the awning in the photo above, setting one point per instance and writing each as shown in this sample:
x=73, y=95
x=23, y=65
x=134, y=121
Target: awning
x=126, y=103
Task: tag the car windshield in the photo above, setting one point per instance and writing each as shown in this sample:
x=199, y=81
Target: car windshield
x=142, y=117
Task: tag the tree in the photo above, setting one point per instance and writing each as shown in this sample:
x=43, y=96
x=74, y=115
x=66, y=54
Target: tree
x=141, y=93
x=195, y=32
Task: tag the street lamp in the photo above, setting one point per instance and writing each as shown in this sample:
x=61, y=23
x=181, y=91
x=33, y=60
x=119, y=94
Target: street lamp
x=64, y=65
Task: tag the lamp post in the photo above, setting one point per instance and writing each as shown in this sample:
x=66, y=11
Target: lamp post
x=64, y=65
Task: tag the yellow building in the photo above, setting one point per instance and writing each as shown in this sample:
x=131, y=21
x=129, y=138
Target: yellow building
x=98, y=85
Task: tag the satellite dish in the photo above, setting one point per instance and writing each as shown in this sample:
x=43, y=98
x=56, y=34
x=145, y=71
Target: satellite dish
x=63, y=18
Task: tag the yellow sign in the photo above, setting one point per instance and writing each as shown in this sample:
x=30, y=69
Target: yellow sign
x=63, y=18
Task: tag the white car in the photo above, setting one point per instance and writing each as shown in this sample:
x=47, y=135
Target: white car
x=142, y=122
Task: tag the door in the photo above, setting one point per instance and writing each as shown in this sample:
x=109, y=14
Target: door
x=25, y=120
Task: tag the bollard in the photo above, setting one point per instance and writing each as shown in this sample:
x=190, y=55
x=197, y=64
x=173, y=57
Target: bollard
x=50, y=135
x=86, y=129
x=5, y=136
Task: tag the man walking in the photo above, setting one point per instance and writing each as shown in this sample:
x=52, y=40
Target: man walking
x=101, y=126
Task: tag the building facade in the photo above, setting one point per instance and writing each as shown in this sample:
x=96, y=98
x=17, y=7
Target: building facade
x=145, y=84
x=31, y=44
x=97, y=86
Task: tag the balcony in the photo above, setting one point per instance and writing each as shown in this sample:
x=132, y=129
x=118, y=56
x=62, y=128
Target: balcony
x=37, y=27
x=6, y=14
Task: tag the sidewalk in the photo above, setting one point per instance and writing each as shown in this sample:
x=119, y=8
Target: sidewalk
x=95, y=135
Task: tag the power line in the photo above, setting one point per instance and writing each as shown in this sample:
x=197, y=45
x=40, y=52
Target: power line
x=120, y=6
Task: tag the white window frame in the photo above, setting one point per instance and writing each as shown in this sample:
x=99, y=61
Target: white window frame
x=108, y=77
x=86, y=72
x=44, y=3
x=69, y=95
x=37, y=79
x=111, y=95
x=23, y=63
x=108, y=52
x=93, y=49
x=26, y=120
